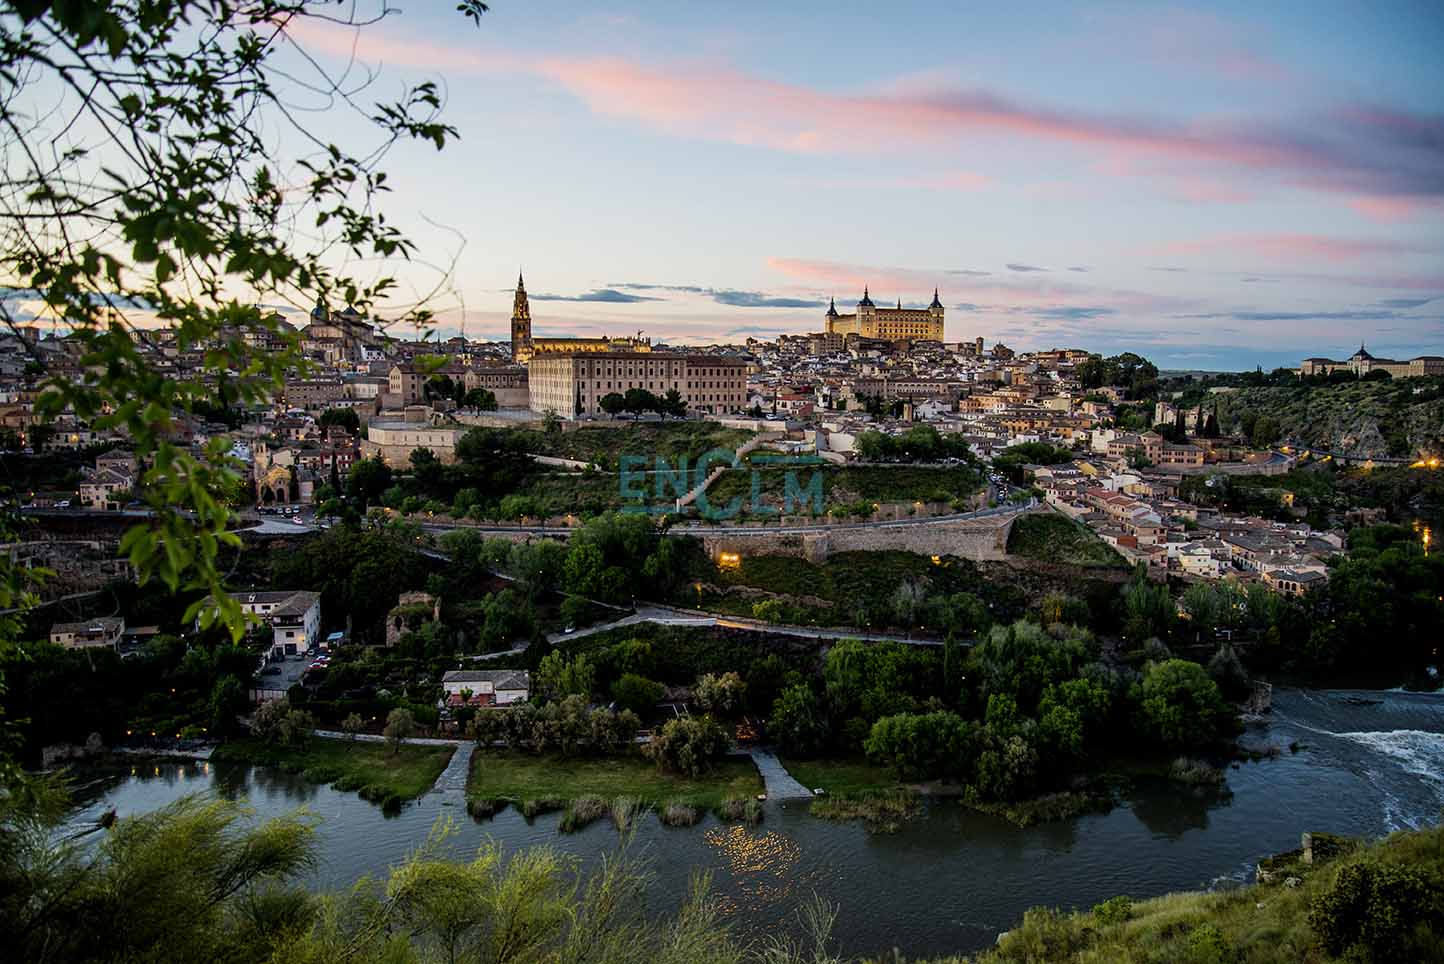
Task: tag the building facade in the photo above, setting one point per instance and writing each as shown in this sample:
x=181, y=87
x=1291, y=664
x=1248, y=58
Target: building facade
x=524, y=345
x=575, y=383
x=393, y=442
x=1361, y=363
x=890, y=324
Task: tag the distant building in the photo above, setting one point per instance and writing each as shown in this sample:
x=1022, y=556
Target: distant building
x=394, y=441
x=102, y=631
x=294, y=617
x=575, y=384
x=487, y=687
x=1361, y=363
x=524, y=346
x=890, y=324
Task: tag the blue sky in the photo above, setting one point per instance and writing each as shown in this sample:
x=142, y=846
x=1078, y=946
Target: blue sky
x=1214, y=186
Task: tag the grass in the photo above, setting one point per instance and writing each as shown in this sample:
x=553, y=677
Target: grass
x=1048, y=808
x=1055, y=539
x=519, y=777
x=882, y=811
x=850, y=777
x=748, y=811
x=375, y=771
x=668, y=440
x=1260, y=924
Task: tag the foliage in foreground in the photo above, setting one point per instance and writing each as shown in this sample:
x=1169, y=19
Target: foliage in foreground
x=1379, y=904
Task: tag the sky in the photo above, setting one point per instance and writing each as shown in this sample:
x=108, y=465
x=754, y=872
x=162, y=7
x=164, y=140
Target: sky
x=1214, y=186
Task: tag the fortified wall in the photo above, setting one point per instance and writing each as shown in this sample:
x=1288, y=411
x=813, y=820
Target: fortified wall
x=979, y=539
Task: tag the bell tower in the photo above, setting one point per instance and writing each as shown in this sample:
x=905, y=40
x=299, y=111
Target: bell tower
x=520, y=324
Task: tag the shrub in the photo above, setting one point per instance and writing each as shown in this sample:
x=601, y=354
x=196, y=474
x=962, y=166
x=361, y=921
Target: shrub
x=583, y=812
x=687, y=745
x=624, y=811
x=740, y=808
x=679, y=815
x=530, y=809
x=1195, y=773
x=637, y=694
x=1114, y=910
x=1373, y=910
x=1207, y=945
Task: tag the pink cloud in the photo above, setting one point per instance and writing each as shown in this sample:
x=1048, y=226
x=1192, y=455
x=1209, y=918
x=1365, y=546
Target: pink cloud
x=1290, y=247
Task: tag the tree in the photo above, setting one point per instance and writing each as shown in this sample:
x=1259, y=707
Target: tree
x=352, y=725
x=797, y=722
x=922, y=746
x=558, y=677
x=721, y=695
x=227, y=701
x=481, y=399
x=369, y=478
x=672, y=403
x=637, y=693
x=687, y=745
x=345, y=417
x=639, y=400
x=613, y=403
x=400, y=725
x=123, y=228
x=1180, y=706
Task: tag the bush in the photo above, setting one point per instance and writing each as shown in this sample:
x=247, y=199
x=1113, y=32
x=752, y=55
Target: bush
x=583, y=812
x=1195, y=773
x=1114, y=910
x=531, y=809
x=687, y=745
x=1180, y=705
x=1374, y=910
x=637, y=694
x=679, y=815
x=740, y=808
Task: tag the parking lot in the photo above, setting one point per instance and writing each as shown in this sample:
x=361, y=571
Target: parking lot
x=292, y=668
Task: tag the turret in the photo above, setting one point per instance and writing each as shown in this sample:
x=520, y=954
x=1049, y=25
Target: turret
x=937, y=303
x=866, y=301
x=832, y=307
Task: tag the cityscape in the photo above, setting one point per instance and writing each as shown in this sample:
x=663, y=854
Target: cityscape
x=814, y=601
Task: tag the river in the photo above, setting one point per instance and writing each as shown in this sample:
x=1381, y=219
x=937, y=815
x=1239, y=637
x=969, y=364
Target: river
x=1370, y=762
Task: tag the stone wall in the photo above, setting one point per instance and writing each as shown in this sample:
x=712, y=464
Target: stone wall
x=978, y=539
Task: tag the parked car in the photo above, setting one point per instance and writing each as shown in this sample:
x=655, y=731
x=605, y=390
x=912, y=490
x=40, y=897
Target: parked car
x=63, y=504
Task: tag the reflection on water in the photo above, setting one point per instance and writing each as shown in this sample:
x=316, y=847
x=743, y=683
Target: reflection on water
x=945, y=883
x=760, y=864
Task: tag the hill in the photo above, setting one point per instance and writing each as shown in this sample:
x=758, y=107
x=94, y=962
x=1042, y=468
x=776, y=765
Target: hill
x=1397, y=418
x=1380, y=903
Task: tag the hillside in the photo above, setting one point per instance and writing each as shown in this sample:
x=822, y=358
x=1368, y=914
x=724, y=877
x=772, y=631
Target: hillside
x=1390, y=418
x=1381, y=903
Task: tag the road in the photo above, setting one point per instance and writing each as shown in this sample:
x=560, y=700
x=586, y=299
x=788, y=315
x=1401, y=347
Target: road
x=672, y=616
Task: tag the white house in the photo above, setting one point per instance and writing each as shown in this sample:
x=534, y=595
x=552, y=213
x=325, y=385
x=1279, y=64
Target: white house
x=293, y=616
x=488, y=687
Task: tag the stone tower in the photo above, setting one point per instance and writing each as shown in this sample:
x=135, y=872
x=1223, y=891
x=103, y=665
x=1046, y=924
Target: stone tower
x=935, y=315
x=520, y=324
x=866, y=316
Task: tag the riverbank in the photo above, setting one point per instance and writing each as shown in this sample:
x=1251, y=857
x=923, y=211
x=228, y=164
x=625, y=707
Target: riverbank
x=1361, y=905
x=537, y=783
x=856, y=789
x=374, y=770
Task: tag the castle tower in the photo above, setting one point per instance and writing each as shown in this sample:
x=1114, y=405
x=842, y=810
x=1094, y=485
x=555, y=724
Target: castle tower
x=831, y=315
x=866, y=316
x=520, y=324
x=935, y=316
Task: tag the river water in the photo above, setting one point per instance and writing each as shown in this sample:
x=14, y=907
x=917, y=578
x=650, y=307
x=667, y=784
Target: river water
x=1370, y=762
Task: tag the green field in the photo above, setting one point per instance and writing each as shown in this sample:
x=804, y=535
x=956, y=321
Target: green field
x=519, y=777
x=846, y=778
x=1056, y=539
x=380, y=774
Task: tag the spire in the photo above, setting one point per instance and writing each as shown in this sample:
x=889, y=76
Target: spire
x=936, y=302
x=866, y=301
x=899, y=303
x=832, y=307
x=520, y=284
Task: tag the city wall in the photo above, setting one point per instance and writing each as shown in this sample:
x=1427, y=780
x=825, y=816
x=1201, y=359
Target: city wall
x=980, y=540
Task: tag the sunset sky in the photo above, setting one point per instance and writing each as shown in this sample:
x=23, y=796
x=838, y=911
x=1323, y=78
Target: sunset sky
x=1215, y=187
